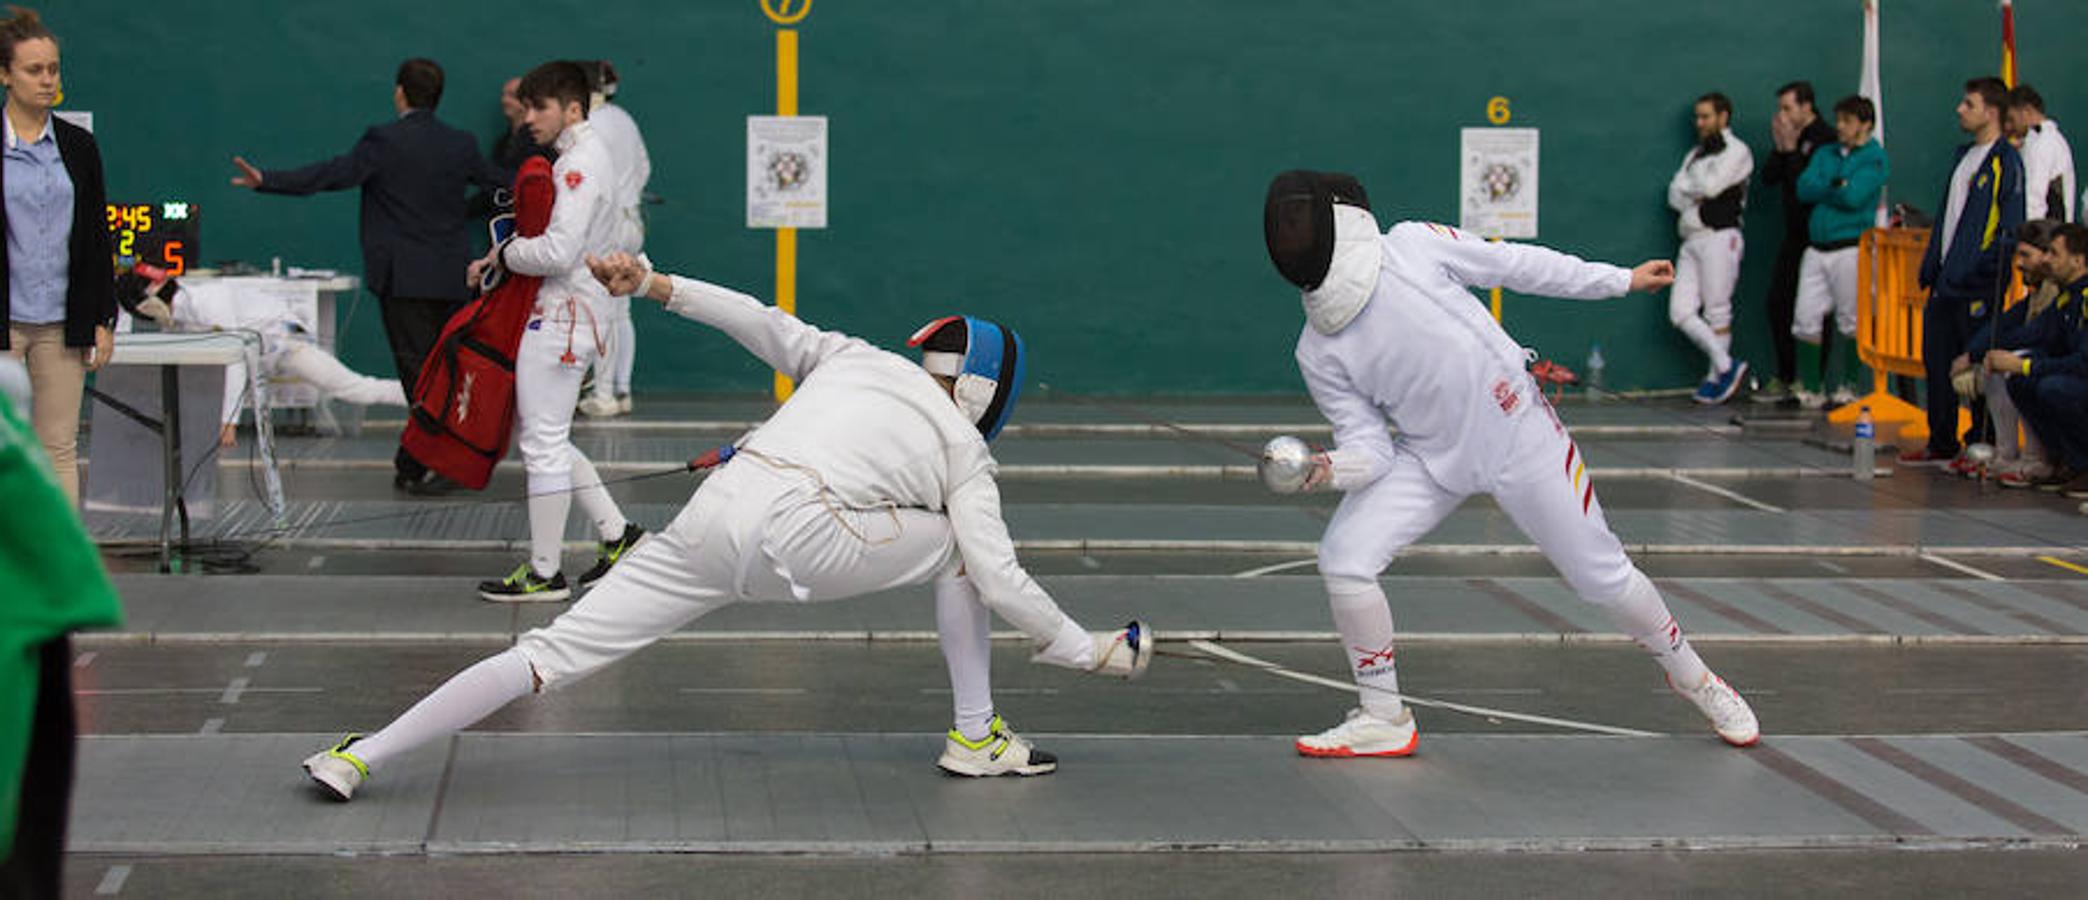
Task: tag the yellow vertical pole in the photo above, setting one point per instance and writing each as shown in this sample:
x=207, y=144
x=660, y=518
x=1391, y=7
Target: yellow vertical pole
x=1495, y=294
x=786, y=238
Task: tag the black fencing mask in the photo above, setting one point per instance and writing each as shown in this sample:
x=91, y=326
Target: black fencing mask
x=1298, y=222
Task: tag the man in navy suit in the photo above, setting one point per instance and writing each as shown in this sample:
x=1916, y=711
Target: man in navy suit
x=414, y=173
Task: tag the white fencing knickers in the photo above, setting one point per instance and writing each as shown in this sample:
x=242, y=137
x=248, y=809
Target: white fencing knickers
x=1701, y=302
x=1544, y=487
x=752, y=533
x=559, y=342
x=1826, y=281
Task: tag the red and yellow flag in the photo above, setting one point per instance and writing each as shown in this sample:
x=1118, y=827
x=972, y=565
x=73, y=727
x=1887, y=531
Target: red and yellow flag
x=2008, y=73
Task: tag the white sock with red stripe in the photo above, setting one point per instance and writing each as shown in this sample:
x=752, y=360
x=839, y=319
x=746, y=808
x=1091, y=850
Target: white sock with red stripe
x=1364, y=618
x=1643, y=615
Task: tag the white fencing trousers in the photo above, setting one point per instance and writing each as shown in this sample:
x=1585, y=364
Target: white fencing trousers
x=1826, y=281
x=751, y=533
x=1544, y=487
x=334, y=380
x=620, y=350
x=1701, y=302
x=556, y=348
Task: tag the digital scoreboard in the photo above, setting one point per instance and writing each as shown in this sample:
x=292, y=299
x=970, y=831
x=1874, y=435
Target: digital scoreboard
x=157, y=234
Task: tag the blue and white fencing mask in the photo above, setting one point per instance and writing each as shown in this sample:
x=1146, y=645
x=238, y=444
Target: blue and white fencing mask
x=986, y=361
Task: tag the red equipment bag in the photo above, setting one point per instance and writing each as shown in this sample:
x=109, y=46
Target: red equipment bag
x=463, y=413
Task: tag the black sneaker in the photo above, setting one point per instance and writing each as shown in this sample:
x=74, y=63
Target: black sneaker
x=524, y=585
x=611, y=552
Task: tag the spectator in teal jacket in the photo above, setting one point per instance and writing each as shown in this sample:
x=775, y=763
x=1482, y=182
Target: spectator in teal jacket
x=1843, y=184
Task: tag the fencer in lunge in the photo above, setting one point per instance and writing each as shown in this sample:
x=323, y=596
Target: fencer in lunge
x=1393, y=332
x=874, y=475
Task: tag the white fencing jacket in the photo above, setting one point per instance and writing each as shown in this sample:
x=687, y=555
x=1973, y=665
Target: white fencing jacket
x=1424, y=353
x=619, y=133
x=2046, y=157
x=584, y=220
x=879, y=430
x=1703, y=177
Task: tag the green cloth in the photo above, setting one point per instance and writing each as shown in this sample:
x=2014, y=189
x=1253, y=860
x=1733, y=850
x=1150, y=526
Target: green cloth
x=51, y=582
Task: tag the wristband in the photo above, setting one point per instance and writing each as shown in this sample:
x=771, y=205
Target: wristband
x=2026, y=365
x=645, y=284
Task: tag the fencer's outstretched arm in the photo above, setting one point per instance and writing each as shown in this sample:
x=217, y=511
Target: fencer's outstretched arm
x=781, y=340
x=974, y=508
x=1475, y=262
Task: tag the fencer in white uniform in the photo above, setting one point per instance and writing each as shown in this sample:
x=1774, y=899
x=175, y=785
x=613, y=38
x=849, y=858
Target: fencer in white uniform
x=874, y=475
x=1394, y=333
x=565, y=334
x=287, y=347
x=1708, y=194
x=627, y=155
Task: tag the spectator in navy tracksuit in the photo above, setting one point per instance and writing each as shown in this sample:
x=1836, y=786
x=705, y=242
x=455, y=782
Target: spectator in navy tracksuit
x=414, y=173
x=2050, y=383
x=1966, y=265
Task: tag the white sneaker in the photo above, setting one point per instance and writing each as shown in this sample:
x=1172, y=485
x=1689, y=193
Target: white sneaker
x=1842, y=396
x=1810, y=399
x=623, y=404
x=1729, y=713
x=1123, y=653
x=337, y=770
x=596, y=406
x=1000, y=752
x=1363, y=734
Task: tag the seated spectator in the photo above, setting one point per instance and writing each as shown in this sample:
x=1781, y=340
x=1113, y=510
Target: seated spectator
x=2048, y=373
x=2016, y=464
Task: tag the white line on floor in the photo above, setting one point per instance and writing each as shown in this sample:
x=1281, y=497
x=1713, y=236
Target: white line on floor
x=1279, y=567
x=256, y=658
x=315, y=562
x=1279, y=671
x=233, y=690
x=1831, y=567
x=112, y=880
x=1228, y=685
x=211, y=726
x=764, y=691
x=1961, y=567
x=85, y=659
x=1938, y=691
x=1726, y=493
x=1044, y=692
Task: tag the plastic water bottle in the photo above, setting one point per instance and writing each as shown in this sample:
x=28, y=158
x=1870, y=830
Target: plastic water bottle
x=1866, y=444
x=1594, y=370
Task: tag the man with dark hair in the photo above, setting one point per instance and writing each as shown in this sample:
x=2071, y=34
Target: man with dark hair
x=2025, y=464
x=1843, y=183
x=2048, y=163
x=1708, y=194
x=2049, y=382
x=1796, y=131
x=565, y=334
x=1965, y=267
x=414, y=172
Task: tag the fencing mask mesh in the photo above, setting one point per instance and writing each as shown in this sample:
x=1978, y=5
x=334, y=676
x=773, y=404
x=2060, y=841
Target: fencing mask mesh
x=1298, y=222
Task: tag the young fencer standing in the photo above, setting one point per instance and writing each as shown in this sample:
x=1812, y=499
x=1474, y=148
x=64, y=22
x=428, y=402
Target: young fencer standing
x=1394, y=333
x=564, y=335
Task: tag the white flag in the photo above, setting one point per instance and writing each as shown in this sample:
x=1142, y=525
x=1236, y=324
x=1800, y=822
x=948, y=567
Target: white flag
x=1872, y=87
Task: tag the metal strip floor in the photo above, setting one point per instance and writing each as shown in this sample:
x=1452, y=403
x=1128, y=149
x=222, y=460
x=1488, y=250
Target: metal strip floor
x=871, y=793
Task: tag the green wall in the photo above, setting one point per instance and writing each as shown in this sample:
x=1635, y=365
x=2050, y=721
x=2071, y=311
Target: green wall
x=1088, y=171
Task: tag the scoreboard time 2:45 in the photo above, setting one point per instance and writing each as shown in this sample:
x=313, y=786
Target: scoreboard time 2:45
x=164, y=235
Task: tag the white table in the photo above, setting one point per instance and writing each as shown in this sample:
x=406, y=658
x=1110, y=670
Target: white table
x=170, y=352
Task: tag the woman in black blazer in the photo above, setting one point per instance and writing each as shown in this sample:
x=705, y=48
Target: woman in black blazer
x=57, y=283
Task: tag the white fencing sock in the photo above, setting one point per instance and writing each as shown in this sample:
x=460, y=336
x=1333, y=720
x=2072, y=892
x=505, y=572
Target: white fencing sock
x=964, y=628
x=547, y=518
x=1641, y=614
x=1724, y=359
x=467, y=697
x=595, y=502
x=626, y=355
x=1699, y=333
x=1364, y=618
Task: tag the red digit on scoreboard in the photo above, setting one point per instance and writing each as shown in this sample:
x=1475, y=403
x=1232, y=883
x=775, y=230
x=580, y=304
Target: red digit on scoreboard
x=172, y=255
